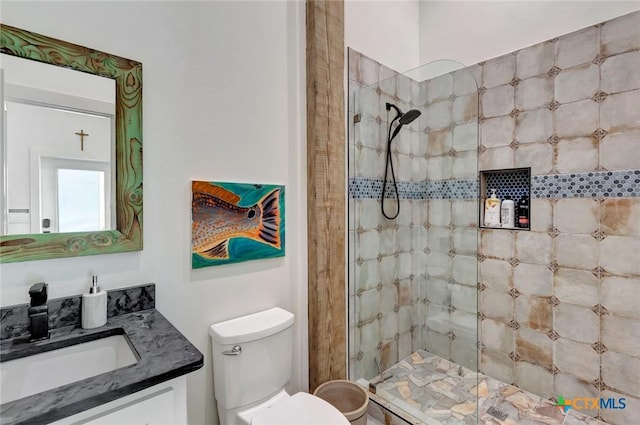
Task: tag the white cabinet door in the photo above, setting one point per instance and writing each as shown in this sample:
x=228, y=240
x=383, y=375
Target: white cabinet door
x=152, y=410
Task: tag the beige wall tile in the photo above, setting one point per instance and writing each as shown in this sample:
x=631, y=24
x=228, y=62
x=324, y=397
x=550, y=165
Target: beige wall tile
x=576, y=251
x=497, y=336
x=533, y=279
x=534, y=93
x=465, y=270
x=576, y=323
x=628, y=415
x=619, y=151
x=534, y=126
x=620, y=34
x=538, y=156
x=440, y=141
x=576, y=155
x=438, y=291
x=465, y=109
x=577, y=83
x=621, y=334
x=540, y=214
x=438, y=344
x=576, y=287
x=576, y=119
x=569, y=384
x=576, y=215
x=534, y=60
x=498, y=71
x=496, y=274
x=620, y=254
x=496, y=305
x=621, y=295
x=620, y=217
x=579, y=360
x=497, y=243
x=438, y=115
x=464, y=213
x=497, y=365
x=534, y=247
x=440, y=212
x=465, y=138
x=620, y=73
x=534, y=378
x=439, y=88
x=621, y=372
x=577, y=48
x=464, y=81
x=497, y=158
x=464, y=298
x=497, y=131
x=465, y=241
x=534, y=347
x=618, y=112
x=497, y=101
x=534, y=313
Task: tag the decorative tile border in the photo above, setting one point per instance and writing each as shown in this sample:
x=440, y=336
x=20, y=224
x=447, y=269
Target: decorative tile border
x=607, y=184
x=367, y=188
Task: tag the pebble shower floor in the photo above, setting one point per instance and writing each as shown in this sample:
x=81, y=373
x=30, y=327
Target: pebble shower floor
x=439, y=392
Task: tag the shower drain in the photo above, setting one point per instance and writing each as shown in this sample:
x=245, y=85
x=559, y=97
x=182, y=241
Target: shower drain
x=497, y=413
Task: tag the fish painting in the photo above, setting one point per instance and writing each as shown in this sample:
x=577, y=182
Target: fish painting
x=234, y=222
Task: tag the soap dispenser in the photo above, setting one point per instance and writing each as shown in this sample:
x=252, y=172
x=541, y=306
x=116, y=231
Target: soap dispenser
x=492, y=211
x=94, y=306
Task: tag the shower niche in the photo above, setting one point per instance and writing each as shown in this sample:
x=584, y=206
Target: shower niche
x=509, y=183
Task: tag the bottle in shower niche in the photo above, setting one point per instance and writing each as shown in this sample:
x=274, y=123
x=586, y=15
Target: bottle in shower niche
x=523, y=212
x=508, y=213
x=94, y=306
x=492, y=210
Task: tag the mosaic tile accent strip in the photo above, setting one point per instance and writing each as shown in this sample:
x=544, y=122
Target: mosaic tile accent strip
x=606, y=184
x=367, y=188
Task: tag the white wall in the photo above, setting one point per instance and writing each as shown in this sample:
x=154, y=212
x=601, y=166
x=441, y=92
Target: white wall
x=224, y=100
x=386, y=31
x=473, y=31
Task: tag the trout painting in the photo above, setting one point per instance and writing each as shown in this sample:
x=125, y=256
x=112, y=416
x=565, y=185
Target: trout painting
x=234, y=222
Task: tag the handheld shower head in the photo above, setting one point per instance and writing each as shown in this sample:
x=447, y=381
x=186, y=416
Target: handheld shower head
x=409, y=117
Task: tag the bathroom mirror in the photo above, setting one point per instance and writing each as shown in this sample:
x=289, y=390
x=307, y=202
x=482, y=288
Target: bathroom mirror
x=55, y=222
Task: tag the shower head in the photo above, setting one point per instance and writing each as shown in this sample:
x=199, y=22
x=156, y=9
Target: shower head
x=409, y=117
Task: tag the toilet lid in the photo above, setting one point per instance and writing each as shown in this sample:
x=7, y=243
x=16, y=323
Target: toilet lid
x=300, y=409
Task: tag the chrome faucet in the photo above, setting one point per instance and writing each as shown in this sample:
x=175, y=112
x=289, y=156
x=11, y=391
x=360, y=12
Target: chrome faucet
x=38, y=312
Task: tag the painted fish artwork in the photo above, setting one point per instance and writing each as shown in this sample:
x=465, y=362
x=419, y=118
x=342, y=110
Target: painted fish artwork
x=235, y=222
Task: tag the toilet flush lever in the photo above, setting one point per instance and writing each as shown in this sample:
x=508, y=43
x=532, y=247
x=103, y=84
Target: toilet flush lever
x=235, y=351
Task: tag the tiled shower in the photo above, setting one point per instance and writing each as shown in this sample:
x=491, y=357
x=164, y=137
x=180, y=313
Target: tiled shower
x=553, y=310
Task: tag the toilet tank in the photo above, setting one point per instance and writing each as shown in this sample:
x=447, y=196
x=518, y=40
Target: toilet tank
x=263, y=366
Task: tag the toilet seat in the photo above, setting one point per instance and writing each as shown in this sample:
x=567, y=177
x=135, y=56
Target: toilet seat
x=300, y=409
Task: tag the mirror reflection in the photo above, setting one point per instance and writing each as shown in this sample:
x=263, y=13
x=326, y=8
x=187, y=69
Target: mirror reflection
x=59, y=149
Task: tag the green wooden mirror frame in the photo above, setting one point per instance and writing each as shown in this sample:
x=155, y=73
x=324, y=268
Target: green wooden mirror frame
x=128, y=128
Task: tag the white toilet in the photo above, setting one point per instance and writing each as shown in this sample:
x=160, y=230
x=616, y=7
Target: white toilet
x=252, y=357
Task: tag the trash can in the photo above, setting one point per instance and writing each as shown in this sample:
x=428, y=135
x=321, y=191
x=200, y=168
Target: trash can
x=348, y=397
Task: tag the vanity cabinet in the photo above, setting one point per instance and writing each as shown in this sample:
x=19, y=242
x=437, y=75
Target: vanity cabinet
x=162, y=404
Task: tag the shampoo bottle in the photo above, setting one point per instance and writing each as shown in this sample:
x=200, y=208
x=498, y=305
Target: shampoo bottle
x=94, y=306
x=523, y=212
x=507, y=213
x=492, y=210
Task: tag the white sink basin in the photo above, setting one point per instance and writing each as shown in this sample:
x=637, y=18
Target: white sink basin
x=41, y=372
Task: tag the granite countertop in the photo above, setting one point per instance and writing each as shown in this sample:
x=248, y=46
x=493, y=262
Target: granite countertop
x=164, y=353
